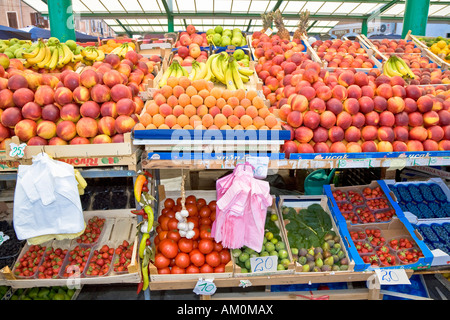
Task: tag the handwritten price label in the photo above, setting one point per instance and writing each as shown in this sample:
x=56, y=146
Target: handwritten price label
x=392, y=276
x=205, y=287
x=264, y=264
x=17, y=150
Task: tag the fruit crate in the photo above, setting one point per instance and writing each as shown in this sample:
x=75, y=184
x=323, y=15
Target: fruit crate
x=6, y=163
x=436, y=236
x=85, y=155
x=302, y=202
x=427, y=200
x=208, y=195
x=341, y=217
x=292, y=264
x=119, y=225
x=21, y=293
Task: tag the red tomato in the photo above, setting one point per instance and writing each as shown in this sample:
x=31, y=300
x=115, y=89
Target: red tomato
x=206, y=221
x=213, y=216
x=172, y=224
x=194, y=220
x=191, y=199
x=206, y=268
x=205, y=234
x=185, y=245
x=192, y=269
x=179, y=201
x=164, y=270
x=192, y=209
x=220, y=268
x=177, y=270
x=213, y=259
x=206, y=246
x=165, y=210
x=177, y=208
x=168, y=248
x=197, y=258
x=196, y=233
x=163, y=235
x=170, y=214
x=218, y=246
x=161, y=261
x=156, y=241
x=204, y=212
x=182, y=260
x=174, y=235
x=163, y=222
x=201, y=202
x=169, y=203
x=225, y=256
x=212, y=205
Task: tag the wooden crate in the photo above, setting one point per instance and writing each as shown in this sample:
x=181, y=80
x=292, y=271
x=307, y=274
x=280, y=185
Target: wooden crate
x=83, y=155
x=302, y=202
x=292, y=265
x=119, y=225
x=208, y=195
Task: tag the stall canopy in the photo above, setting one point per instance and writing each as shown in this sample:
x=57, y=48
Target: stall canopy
x=8, y=33
x=37, y=33
x=138, y=17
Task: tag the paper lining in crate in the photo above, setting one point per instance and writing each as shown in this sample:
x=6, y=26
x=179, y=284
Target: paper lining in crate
x=84, y=155
x=208, y=195
x=119, y=225
x=301, y=202
x=291, y=266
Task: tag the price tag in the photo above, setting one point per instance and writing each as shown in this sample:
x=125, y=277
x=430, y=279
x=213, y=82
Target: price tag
x=260, y=165
x=264, y=264
x=392, y=276
x=3, y=237
x=205, y=287
x=17, y=150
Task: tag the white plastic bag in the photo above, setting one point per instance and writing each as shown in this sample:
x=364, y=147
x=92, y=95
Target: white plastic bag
x=46, y=199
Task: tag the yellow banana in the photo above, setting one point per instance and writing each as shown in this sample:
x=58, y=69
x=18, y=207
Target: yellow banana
x=229, y=79
x=201, y=72
x=403, y=68
x=101, y=55
x=194, y=71
x=209, y=73
x=77, y=57
x=68, y=54
x=40, y=56
x=165, y=76
x=236, y=75
x=51, y=65
x=217, y=69
x=61, y=56
x=80, y=179
x=46, y=59
x=245, y=71
x=32, y=54
x=244, y=78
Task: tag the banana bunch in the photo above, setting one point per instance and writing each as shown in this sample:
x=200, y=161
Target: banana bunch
x=122, y=49
x=396, y=66
x=175, y=70
x=199, y=71
x=91, y=54
x=82, y=184
x=49, y=57
x=225, y=69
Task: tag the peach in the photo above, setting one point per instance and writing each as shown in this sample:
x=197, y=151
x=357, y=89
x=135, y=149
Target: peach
x=401, y=119
x=51, y=112
x=369, y=146
x=46, y=129
x=413, y=92
x=5, y=133
x=11, y=116
x=170, y=121
x=6, y=99
x=106, y=126
x=361, y=79
x=44, y=95
x=321, y=147
x=352, y=134
x=444, y=145
x=358, y=120
x=418, y=133
x=17, y=81
x=311, y=119
x=385, y=146
x=310, y=75
x=66, y=130
x=32, y=111
x=126, y=106
x=366, y=104
x=324, y=93
x=117, y=138
x=57, y=141
x=444, y=117
x=87, y=127
x=384, y=90
x=320, y=134
x=351, y=105
x=379, y=104
x=338, y=147
x=353, y=147
x=317, y=105
x=112, y=59
x=124, y=69
x=335, y=105
x=401, y=133
x=101, y=138
x=386, y=119
x=37, y=141
x=120, y=91
x=438, y=104
x=344, y=120
x=386, y=134
x=72, y=80
x=399, y=91
x=298, y=103
x=307, y=91
x=109, y=108
x=369, y=133
x=25, y=129
x=305, y=148
x=395, y=104
x=425, y=104
x=431, y=118
x=367, y=91
x=435, y=133
x=399, y=146
x=346, y=78
x=339, y=92
x=100, y=93
x=63, y=96
x=327, y=119
x=354, y=92
x=294, y=119
x=111, y=78
x=415, y=119
x=397, y=80
x=81, y=95
x=79, y=140
x=22, y=96
x=430, y=145
x=414, y=145
x=89, y=109
x=336, y=133
x=89, y=78
x=303, y=134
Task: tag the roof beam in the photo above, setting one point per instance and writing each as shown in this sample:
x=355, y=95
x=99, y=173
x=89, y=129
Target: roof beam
x=384, y=8
x=168, y=6
x=249, y=25
x=124, y=28
x=277, y=5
